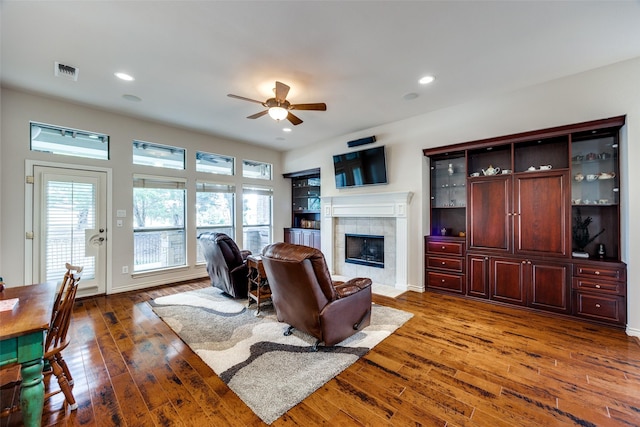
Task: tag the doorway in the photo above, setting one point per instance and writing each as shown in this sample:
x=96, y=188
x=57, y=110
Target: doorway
x=69, y=224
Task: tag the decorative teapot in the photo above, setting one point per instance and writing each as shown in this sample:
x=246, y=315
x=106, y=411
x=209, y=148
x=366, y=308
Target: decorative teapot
x=491, y=171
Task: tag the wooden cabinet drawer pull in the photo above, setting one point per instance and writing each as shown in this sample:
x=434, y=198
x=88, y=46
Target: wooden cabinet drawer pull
x=598, y=286
x=442, y=280
x=597, y=305
x=444, y=247
x=444, y=263
x=597, y=273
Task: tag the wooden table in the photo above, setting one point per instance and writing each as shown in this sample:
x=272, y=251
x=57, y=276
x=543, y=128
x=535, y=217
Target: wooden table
x=259, y=290
x=22, y=334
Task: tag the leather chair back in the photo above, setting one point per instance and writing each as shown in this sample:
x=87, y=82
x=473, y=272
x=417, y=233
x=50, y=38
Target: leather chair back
x=303, y=293
x=226, y=263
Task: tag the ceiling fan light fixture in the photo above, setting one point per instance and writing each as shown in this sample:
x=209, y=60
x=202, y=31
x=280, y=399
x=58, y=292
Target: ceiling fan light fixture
x=278, y=113
x=426, y=80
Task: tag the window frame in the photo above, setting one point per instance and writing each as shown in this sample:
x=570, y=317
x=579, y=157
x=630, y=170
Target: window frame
x=87, y=136
x=160, y=182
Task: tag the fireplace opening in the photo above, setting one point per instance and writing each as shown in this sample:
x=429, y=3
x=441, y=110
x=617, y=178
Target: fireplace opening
x=364, y=250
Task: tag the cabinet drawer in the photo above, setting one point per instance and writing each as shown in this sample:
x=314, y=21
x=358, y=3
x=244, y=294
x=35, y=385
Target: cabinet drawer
x=453, y=264
x=450, y=248
x=600, y=307
x=598, y=271
x=448, y=282
x=595, y=285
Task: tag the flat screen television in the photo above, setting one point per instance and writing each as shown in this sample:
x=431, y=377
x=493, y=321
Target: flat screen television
x=364, y=167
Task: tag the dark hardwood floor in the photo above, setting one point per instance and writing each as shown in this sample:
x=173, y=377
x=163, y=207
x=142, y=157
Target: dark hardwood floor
x=455, y=363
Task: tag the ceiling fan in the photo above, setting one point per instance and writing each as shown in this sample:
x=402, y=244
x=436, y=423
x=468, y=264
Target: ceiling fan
x=279, y=108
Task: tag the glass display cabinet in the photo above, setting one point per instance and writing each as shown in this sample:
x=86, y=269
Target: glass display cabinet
x=448, y=195
x=595, y=194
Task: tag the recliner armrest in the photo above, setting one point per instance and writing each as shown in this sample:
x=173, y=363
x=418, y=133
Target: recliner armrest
x=352, y=286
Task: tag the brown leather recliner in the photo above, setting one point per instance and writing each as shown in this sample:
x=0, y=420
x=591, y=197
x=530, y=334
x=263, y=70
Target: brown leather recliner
x=226, y=263
x=306, y=298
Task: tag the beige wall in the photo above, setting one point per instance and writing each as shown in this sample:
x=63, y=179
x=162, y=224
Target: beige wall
x=601, y=93
x=19, y=108
x=605, y=92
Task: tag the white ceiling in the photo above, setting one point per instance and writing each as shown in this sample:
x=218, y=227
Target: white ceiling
x=359, y=57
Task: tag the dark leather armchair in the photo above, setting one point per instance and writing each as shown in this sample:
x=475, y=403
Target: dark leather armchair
x=226, y=263
x=306, y=298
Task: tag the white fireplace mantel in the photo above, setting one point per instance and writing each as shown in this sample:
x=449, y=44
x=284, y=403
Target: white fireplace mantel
x=374, y=205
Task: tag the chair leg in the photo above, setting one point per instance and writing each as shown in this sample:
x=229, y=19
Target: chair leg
x=288, y=331
x=64, y=384
x=65, y=368
x=314, y=348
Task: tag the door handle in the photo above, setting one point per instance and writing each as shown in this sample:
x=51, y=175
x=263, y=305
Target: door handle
x=101, y=230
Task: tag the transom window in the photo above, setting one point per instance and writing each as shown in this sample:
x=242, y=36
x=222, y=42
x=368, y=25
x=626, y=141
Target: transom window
x=69, y=142
x=160, y=156
x=257, y=170
x=214, y=163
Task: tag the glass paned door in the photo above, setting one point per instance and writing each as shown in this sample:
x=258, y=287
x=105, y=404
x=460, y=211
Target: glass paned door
x=70, y=226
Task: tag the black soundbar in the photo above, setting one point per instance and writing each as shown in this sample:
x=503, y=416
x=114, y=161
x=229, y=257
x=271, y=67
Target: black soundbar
x=361, y=141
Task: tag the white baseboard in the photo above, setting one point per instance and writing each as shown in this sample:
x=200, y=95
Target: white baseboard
x=633, y=332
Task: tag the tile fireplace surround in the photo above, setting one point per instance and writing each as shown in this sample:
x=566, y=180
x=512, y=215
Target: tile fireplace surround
x=383, y=214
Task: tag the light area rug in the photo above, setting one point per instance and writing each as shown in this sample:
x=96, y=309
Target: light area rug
x=270, y=372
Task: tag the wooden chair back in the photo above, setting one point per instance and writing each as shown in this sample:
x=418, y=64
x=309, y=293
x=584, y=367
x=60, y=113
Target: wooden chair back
x=62, y=308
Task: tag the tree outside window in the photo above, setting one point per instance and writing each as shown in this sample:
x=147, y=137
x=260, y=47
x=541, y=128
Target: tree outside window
x=256, y=217
x=214, y=210
x=159, y=225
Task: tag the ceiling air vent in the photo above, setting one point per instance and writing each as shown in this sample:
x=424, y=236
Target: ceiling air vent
x=67, y=71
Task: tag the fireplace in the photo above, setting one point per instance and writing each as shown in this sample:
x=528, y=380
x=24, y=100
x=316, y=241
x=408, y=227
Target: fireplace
x=364, y=249
x=374, y=214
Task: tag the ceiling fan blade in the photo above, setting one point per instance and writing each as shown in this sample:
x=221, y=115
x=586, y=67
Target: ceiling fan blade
x=245, y=99
x=281, y=91
x=256, y=115
x=320, y=106
x=293, y=119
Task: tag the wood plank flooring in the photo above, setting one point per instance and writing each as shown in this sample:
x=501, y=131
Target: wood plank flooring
x=455, y=363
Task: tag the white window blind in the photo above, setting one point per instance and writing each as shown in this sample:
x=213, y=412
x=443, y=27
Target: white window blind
x=70, y=210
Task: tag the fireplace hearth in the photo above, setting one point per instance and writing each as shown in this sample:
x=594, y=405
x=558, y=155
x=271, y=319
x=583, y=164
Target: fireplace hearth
x=364, y=250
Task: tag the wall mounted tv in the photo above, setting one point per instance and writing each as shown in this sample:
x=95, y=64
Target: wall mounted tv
x=364, y=167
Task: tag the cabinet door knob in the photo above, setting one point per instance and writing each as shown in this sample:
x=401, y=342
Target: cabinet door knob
x=597, y=305
x=443, y=263
x=524, y=262
x=442, y=280
x=443, y=247
x=597, y=273
x=598, y=286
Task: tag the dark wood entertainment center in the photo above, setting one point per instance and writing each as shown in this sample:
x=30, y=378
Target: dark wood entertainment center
x=532, y=220
x=305, y=208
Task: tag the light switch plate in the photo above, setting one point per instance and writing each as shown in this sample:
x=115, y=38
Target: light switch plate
x=121, y=213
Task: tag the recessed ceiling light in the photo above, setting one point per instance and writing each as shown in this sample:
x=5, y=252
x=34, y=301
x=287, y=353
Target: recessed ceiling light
x=131, y=97
x=286, y=129
x=426, y=80
x=124, y=76
x=409, y=96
